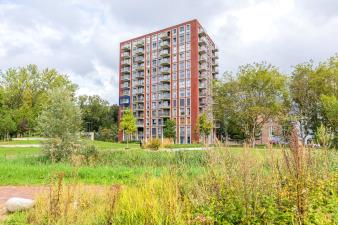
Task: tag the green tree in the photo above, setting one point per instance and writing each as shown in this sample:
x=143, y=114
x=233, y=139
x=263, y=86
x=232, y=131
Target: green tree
x=128, y=124
x=169, y=130
x=25, y=93
x=204, y=127
x=257, y=94
x=308, y=84
x=7, y=125
x=60, y=121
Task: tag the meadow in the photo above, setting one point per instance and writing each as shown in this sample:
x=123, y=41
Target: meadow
x=220, y=185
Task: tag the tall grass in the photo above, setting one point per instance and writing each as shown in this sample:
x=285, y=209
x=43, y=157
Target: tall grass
x=289, y=186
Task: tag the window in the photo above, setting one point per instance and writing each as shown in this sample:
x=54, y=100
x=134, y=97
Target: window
x=187, y=65
x=188, y=73
x=188, y=102
x=187, y=38
x=174, y=31
x=181, y=29
x=154, y=44
x=174, y=103
x=153, y=131
x=188, y=28
x=182, y=101
x=188, y=111
x=182, y=83
x=182, y=111
x=188, y=83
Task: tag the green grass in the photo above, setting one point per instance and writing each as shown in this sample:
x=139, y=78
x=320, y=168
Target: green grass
x=15, y=151
x=18, y=142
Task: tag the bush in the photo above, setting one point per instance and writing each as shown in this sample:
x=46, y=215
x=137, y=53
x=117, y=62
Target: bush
x=89, y=153
x=153, y=144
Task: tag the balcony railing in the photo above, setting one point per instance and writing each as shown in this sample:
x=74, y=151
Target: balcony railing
x=139, y=108
x=125, y=93
x=164, y=114
x=138, y=83
x=164, y=88
x=126, y=55
x=125, y=70
x=202, y=49
x=202, y=93
x=139, y=59
x=139, y=67
x=139, y=115
x=138, y=91
x=165, y=44
x=165, y=61
x=164, y=53
x=203, y=76
x=202, y=85
x=202, y=67
x=165, y=70
x=138, y=75
x=126, y=48
x=202, y=41
x=125, y=78
x=140, y=43
x=202, y=58
x=138, y=99
x=215, y=56
x=164, y=97
x=139, y=51
x=164, y=78
x=201, y=32
x=125, y=85
x=164, y=36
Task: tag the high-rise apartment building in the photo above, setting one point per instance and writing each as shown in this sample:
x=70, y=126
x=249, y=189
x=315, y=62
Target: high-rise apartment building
x=168, y=74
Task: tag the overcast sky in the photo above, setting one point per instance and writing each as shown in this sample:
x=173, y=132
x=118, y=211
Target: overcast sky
x=81, y=38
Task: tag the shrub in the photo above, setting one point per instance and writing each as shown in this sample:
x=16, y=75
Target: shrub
x=153, y=144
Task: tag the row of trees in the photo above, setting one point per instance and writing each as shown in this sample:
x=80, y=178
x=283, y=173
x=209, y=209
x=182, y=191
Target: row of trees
x=259, y=93
x=26, y=92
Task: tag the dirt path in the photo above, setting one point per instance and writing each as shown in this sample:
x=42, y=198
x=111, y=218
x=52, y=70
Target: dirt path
x=7, y=192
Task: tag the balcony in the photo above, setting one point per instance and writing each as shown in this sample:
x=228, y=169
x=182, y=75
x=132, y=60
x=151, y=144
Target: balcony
x=126, y=55
x=139, y=59
x=203, y=102
x=125, y=93
x=202, y=59
x=215, y=71
x=139, y=51
x=202, y=67
x=139, y=107
x=164, y=88
x=140, y=43
x=215, y=50
x=139, y=67
x=165, y=113
x=202, y=50
x=164, y=97
x=126, y=48
x=138, y=91
x=202, y=41
x=125, y=63
x=164, y=79
x=202, y=93
x=164, y=106
x=139, y=115
x=139, y=83
x=165, y=44
x=165, y=62
x=165, y=35
x=125, y=85
x=164, y=53
x=138, y=99
x=215, y=56
x=125, y=70
x=138, y=75
x=202, y=85
x=139, y=123
x=125, y=78
x=203, y=76
x=201, y=32
x=165, y=70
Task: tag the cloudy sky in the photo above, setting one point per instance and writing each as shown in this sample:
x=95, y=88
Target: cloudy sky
x=81, y=38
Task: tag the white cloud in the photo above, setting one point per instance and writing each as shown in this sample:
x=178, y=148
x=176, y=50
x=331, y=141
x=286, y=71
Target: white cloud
x=81, y=38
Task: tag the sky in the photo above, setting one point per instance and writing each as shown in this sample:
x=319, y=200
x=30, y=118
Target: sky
x=81, y=38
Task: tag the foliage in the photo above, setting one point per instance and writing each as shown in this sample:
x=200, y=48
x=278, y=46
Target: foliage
x=153, y=143
x=204, y=126
x=61, y=122
x=7, y=125
x=107, y=134
x=97, y=114
x=324, y=136
x=313, y=90
x=169, y=130
x=128, y=123
x=24, y=93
